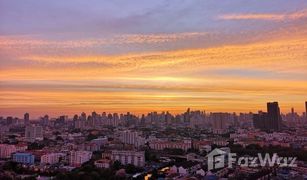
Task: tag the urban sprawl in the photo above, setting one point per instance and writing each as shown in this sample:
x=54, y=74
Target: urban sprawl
x=151, y=146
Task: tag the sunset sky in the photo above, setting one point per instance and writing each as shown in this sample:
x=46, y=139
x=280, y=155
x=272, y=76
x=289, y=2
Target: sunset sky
x=64, y=57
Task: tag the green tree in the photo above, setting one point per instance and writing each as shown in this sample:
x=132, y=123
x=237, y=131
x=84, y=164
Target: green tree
x=116, y=165
x=91, y=137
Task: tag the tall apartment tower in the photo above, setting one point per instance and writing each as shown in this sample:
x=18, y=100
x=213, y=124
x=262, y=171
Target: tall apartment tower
x=260, y=120
x=33, y=133
x=26, y=118
x=306, y=109
x=274, y=118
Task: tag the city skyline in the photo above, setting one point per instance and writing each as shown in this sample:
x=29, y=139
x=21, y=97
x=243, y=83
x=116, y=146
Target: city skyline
x=65, y=58
x=26, y=116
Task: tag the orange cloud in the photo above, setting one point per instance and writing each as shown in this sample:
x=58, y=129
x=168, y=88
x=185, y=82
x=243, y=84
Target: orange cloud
x=268, y=17
x=284, y=55
x=161, y=80
x=12, y=42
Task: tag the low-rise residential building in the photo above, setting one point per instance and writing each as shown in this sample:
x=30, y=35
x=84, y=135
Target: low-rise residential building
x=160, y=144
x=21, y=147
x=77, y=158
x=100, y=141
x=51, y=158
x=6, y=150
x=136, y=158
x=24, y=158
x=103, y=163
x=89, y=147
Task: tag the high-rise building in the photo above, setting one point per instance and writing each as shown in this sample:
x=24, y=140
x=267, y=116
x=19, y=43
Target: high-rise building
x=9, y=120
x=83, y=116
x=270, y=121
x=292, y=114
x=306, y=110
x=260, y=120
x=187, y=115
x=274, y=118
x=132, y=137
x=45, y=120
x=220, y=121
x=26, y=118
x=129, y=137
x=33, y=133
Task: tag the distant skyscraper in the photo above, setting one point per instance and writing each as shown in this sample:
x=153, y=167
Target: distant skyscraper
x=306, y=109
x=260, y=120
x=270, y=120
x=292, y=114
x=187, y=116
x=45, y=120
x=220, y=121
x=26, y=118
x=76, y=117
x=274, y=118
x=83, y=116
